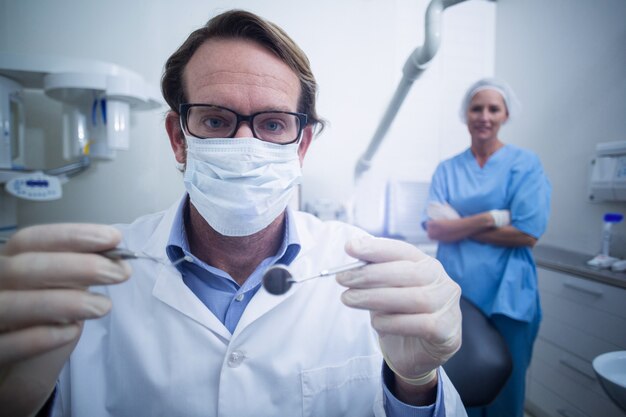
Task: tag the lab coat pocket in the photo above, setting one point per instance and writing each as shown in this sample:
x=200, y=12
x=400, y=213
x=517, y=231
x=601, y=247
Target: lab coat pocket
x=345, y=389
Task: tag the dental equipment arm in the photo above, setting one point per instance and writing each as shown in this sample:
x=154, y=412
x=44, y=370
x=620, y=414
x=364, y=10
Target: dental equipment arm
x=414, y=66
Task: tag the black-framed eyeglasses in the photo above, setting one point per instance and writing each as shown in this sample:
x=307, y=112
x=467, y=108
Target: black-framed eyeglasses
x=206, y=121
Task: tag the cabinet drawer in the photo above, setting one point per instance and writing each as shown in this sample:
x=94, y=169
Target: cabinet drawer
x=592, y=321
x=583, y=292
x=572, y=380
x=573, y=339
x=567, y=366
x=542, y=402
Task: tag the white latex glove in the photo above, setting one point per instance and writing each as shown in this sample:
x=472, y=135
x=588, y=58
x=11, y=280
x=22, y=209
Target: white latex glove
x=413, y=303
x=438, y=211
x=501, y=217
x=45, y=272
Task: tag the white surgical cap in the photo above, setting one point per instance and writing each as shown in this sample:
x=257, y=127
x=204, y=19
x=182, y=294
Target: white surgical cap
x=513, y=105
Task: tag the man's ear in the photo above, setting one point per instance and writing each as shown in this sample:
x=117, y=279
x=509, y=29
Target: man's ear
x=307, y=137
x=177, y=138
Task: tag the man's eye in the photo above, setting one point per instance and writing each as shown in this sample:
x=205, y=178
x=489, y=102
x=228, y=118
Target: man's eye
x=272, y=125
x=214, y=123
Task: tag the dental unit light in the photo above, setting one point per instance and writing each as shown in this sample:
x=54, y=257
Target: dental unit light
x=414, y=66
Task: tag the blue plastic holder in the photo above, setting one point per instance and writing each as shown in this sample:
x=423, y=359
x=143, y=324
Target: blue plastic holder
x=613, y=217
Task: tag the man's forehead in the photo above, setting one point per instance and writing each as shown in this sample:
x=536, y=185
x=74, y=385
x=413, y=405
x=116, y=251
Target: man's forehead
x=226, y=62
x=238, y=77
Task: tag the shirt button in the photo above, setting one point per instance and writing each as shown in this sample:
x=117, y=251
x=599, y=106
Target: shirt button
x=239, y=297
x=236, y=358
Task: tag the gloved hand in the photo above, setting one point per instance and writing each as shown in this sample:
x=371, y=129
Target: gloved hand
x=501, y=217
x=437, y=211
x=45, y=272
x=413, y=303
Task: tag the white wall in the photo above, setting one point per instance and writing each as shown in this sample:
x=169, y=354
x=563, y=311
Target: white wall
x=567, y=62
x=357, y=49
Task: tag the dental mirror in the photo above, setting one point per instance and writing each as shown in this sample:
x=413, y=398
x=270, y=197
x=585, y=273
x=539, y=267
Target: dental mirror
x=278, y=279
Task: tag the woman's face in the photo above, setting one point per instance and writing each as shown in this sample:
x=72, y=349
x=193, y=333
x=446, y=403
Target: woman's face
x=485, y=114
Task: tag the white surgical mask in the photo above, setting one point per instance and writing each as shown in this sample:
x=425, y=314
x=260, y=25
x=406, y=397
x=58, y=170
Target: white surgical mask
x=240, y=185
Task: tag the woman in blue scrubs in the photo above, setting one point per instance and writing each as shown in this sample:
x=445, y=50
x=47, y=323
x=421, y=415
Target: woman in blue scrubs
x=488, y=206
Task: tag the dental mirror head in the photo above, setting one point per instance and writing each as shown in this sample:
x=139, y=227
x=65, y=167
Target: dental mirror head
x=277, y=279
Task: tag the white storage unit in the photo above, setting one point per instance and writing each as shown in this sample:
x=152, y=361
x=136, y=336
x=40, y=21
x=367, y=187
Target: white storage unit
x=608, y=172
x=582, y=319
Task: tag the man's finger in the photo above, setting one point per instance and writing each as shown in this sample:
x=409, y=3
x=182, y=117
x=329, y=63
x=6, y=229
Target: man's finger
x=398, y=274
x=26, y=343
x=413, y=300
x=22, y=309
x=38, y=270
x=68, y=237
x=378, y=250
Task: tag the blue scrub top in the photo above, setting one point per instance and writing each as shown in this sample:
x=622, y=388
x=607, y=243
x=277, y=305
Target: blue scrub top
x=498, y=279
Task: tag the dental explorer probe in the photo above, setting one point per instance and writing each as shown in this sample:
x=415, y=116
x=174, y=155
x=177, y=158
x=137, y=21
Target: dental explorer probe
x=278, y=278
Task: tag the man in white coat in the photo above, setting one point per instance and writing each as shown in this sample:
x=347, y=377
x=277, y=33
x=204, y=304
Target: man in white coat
x=203, y=337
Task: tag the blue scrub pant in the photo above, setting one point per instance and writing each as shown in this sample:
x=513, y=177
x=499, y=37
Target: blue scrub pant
x=519, y=337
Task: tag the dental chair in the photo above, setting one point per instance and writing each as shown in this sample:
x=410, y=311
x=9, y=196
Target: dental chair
x=483, y=364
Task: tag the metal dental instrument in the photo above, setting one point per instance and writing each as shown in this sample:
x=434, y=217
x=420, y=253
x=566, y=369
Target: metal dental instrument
x=278, y=278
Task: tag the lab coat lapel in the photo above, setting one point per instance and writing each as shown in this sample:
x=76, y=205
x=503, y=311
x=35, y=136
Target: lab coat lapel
x=169, y=286
x=263, y=301
x=155, y=243
x=302, y=266
x=171, y=290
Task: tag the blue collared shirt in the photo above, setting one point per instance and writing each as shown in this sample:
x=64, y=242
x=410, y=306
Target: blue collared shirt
x=227, y=300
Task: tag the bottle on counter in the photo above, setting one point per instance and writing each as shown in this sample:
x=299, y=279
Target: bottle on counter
x=609, y=220
x=604, y=258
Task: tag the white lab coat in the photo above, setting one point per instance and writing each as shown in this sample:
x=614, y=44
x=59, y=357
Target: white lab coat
x=161, y=352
